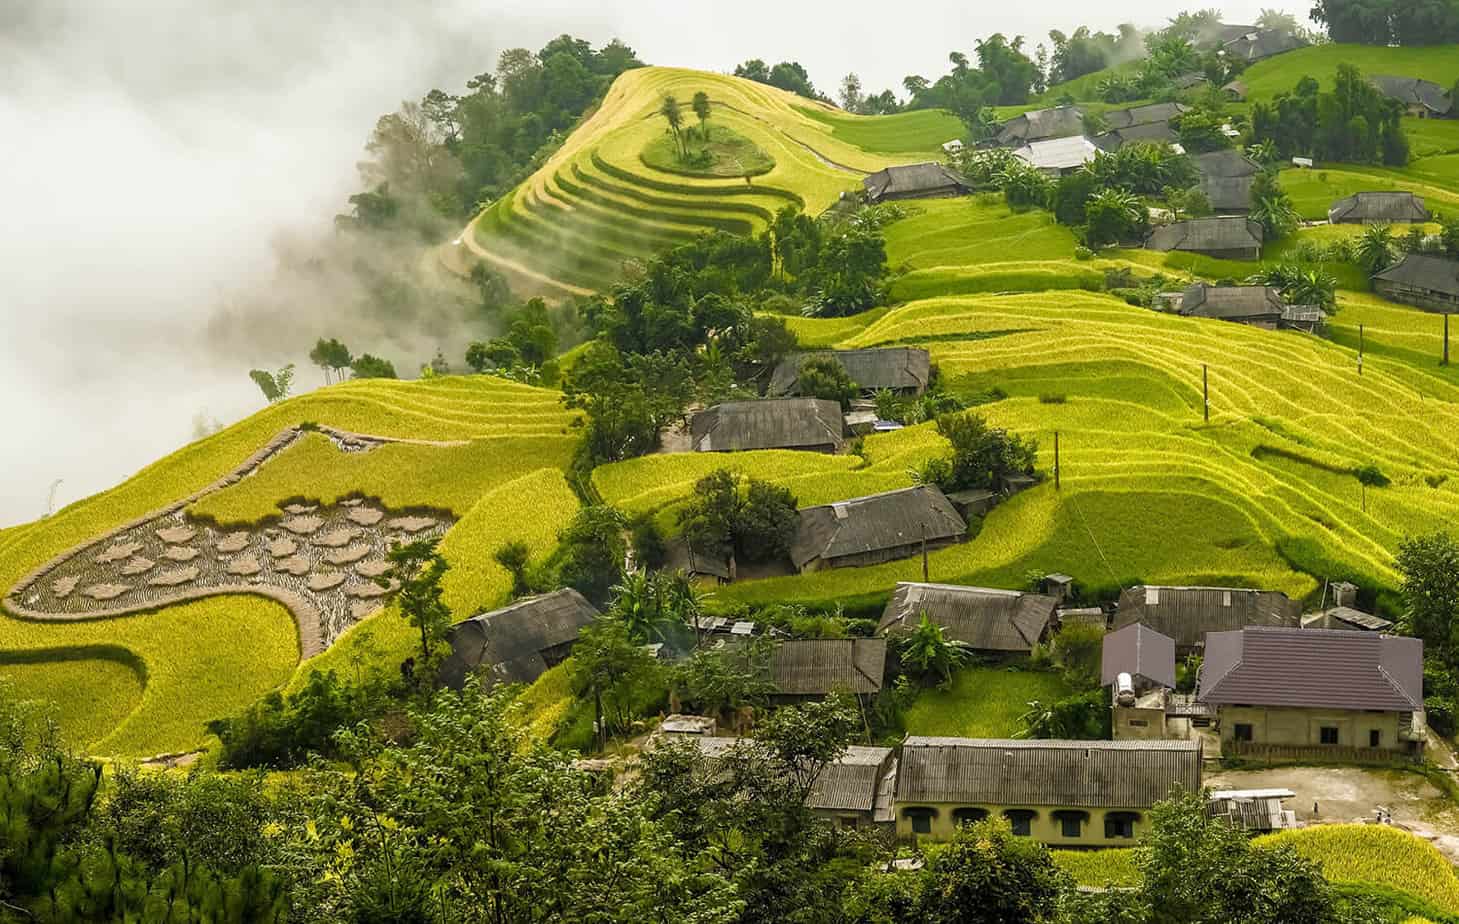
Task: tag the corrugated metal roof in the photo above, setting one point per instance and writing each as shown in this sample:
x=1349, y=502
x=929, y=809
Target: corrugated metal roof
x=1378, y=206
x=1039, y=124
x=1412, y=91
x=1207, y=235
x=1115, y=774
x=1058, y=153
x=773, y=423
x=874, y=523
x=817, y=667
x=896, y=368
x=1186, y=614
x=509, y=641
x=911, y=179
x=1421, y=271
x=1312, y=668
x=985, y=618
x=1139, y=651
x=1226, y=162
x=1151, y=113
x=1261, y=44
x=1358, y=618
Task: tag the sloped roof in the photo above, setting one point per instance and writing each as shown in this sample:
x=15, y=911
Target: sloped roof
x=850, y=783
x=1207, y=235
x=1150, y=133
x=1057, y=153
x=1186, y=614
x=985, y=618
x=1226, y=162
x=1412, y=91
x=1422, y=271
x=817, y=667
x=1040, y=124
x=910, y=179
x=1231, y=302
x=1187, y=81
x=1261, y=43
x=775, y=423
x=1093, y=774
x=1227, y=193
x=877, y=368
x=1149, y=114
x=1379, y=206
x=876, y=522
x=1139, y=651
x=1359, y=619
x=1313, y=668
x=508, y=643
x=1237, y=88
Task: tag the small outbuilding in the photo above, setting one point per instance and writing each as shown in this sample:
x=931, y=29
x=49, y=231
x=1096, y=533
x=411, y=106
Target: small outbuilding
x=1186, y=614
x=808, y=424
x=1421, y=280
x=815, y=668
x=1137, y=665
x=874, y=529
x=914, y=181
x=1260, y=44
x=517, y=643
x=993, y=621
x=856, y=789
x=1057, y=156
x=902, y=370
x=1367, y=208
x=1258, y=306
x=1422, y=99
x=1223, y=238
x=1236, y=91
x=1150, y=114
x=1040, y=125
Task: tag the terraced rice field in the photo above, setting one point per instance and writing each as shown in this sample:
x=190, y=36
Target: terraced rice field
x=1378, y=855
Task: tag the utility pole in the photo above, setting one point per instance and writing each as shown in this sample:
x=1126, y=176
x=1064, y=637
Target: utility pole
x=1360, y=349
x=1206, y=390
x=1057, y=486
x=1446, y=340
x=925, y=572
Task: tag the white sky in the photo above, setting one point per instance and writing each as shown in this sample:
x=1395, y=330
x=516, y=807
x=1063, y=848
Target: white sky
x=151, y=149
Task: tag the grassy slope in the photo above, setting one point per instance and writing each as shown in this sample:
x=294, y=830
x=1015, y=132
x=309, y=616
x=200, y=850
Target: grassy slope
x=920, y=132
x=1378, y=855
x=985, y=702
x=1281, y=73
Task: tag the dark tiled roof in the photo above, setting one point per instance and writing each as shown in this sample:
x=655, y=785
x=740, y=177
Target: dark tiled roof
x=1151, y=114
x=1040, y=124
x=1378, y=206
x=1226, y=162
x=1414, y=92
x=874, y=523
x=1188, y=81
x=1114, y=774
x=1260, y=44
x=777, y=423
x=1231, y=303
x=1313, y=668
x=1227, y=193
x=1150, y=133
x=911, y=179
x=1139, y=651
x=896, y=368
x=508, y=643
x=1422, y=271
x=1207, y=235
x=1186, y=614
x=987, y=619
x=817, y=667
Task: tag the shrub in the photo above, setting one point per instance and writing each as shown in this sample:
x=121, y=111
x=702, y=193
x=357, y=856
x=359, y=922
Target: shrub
x=1052, y=399
x=827, y=379
x=1082, y=252
x=280, y=732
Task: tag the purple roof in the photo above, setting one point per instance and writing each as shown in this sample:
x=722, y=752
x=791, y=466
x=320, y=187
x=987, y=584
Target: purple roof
x=1314, y=668
x=1139, y=651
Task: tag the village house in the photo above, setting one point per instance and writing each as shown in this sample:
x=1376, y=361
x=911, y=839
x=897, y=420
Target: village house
x=996, y=622
x=1367, y=208
x=1314, y=694
x=1189, y=81
x=1057, y=156
x=1422, y=99
x=914, y=181
x=1061, y=793
x=1137, y=664
x=1040, y=125
x=1186, y=614
x=1148, y=133
x=873, y=529
x=811, y=669
x=776, y=423
x=1223, y=238
x=1149, y=123
x=1256, y=306
x=1236, y=91
x=901, y=370
x=1260, y=44
x=1421, y=280
x=1226, y=178
x=517, y=643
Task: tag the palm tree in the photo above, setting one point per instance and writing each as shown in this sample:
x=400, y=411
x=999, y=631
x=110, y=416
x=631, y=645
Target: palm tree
x=670, y=111
x=1263, y=152
x=1275, y=213
x=700, y=105
x=638, y=602
x=931, y=652
x=1374, y=251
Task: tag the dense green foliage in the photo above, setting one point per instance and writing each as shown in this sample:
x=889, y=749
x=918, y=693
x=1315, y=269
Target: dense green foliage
x=1354, y=122
x=1389, y=22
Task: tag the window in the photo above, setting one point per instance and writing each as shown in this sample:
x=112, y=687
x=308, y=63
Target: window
x=967, y=816
x=1120, y=824
x=1241, y=731
x=921, y=819
x=1021, y=820
x=1375, y=738
x=848, y=821
x=1139, y=723
x=1328, y=734
x=1071, y=824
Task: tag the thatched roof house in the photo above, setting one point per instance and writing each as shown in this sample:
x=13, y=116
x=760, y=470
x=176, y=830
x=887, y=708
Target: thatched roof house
x=1421, y=98
x=1260, y=44
x=776, y=423
x=822, y=666
x=1259, y=306
x=1149, y=133
x=914, y=181
x=873, y=529
x=519, y=642
x=1039, y=125
x=1379, y=208
x=1149, y=114
x=1002, y=621
x=1186, y=614
x=904, y=370
x=1223, y=238
x=1427, y=282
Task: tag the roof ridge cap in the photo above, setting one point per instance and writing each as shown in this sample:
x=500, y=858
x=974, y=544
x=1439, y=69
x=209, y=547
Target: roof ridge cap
x=1397, y=687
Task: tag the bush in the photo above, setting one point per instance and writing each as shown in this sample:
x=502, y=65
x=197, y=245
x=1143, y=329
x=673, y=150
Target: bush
x=1052, y=399
x=280, y=732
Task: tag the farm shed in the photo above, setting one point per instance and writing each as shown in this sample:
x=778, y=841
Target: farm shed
x=1186, y=614
x=914, y=181
x=1379, y=208
x=1346, y=618
x=1311, y=694
x=1430, y=283
x=1057, y=156
x=877, y=528
x=1062, y=793
x=775, y=423
x=1422, y=99
x=517, y=643
x=973, y=502
x=904, y=370
x=1258, y=306
x=988, y=620
x=856, y=789
x=1222, y=238
x=1040, y=125
x=1257, y=810
x=816, y=668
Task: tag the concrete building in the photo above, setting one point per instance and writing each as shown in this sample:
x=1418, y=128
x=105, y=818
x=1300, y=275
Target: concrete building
x=1137, y=664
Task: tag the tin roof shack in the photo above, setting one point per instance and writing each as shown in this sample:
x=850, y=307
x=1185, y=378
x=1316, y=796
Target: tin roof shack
x=774, y=423
x=1062, y=793
x=903, y=370
x=1186, y=614
x=974, y=502
x=1231, y=238
x=1260, y=44
x=1257, y=306
x=1226, y=178
x=855, y=789
x=1255, y=810
x=914, y=181
x=1138, y=665
x=1057, y=156
x=1315, y=694
x=1430, y=283
x=873, y=529
x=1366, y=208
x=992, y=621
x=1346, y=618
x=517, y=643
x=815, y=668
x=1422, y=99
x=1040, y=125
